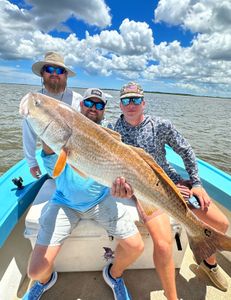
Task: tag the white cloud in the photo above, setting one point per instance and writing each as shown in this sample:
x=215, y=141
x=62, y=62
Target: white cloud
x=130, y=51
x=49, y=14
x=203, y=16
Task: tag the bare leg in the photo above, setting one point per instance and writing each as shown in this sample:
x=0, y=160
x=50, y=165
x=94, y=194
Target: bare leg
x=41, y=262
x=127, y=251
x=160, y=231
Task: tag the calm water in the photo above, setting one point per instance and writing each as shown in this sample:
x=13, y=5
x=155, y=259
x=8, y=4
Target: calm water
x=204, y=121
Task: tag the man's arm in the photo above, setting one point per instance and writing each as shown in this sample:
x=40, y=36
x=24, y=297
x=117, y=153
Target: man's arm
x=29, y=147
x=181, y=146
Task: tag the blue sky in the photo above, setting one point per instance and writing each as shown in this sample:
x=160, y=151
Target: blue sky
x=179, y=46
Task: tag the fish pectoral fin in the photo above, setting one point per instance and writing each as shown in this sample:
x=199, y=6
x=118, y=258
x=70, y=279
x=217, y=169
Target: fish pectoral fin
x=113, y=133
x=60, y=163
x=79, y=172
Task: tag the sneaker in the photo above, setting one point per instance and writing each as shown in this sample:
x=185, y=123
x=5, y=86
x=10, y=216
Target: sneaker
x=216, y=276
x=117, y=285
x=36, y=291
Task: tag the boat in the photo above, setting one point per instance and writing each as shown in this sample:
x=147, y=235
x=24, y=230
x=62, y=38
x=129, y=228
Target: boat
x=83, y=255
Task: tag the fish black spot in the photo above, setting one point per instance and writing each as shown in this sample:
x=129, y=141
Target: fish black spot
x=157, y=183
x=208, y=232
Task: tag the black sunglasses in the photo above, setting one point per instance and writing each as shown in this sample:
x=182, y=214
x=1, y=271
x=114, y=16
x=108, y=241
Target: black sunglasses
x=127, y=101
x=51, y=70
x=90, y=103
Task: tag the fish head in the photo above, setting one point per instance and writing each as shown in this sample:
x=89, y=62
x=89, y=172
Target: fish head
x=48, y=118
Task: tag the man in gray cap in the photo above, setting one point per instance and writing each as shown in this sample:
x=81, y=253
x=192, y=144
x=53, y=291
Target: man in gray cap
x=54, y=74
x=93, y=105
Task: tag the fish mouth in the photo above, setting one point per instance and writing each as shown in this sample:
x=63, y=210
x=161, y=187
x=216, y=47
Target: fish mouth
x=23, y=107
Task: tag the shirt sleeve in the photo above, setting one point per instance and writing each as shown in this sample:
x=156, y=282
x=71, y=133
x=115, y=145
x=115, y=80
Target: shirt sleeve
x=181, y=146
x=76, y=99
x=29, y=138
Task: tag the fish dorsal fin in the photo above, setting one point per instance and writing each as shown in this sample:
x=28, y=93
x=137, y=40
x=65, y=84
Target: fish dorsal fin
x=79, y=172
x=157, y=169
x=113, y=133
x=60, y=163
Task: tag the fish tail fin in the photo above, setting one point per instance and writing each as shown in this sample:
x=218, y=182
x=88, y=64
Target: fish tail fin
x=208, y=243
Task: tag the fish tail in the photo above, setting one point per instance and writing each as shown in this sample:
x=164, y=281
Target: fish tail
x=208, y=243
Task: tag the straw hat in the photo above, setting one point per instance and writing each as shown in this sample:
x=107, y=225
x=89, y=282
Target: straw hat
x=51, y=58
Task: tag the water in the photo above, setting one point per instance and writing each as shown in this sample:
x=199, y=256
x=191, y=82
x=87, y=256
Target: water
x=204, y=121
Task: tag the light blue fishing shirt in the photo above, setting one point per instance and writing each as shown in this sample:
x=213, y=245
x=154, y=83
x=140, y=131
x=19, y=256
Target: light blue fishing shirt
x=72, y=190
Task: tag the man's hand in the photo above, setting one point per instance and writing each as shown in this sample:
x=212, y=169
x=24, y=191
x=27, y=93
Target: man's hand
x=184, y=190
x=121, y=189
x=199, y=191
x=202, y=195
x=35, y=172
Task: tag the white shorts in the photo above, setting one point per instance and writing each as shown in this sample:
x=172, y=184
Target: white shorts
x=57, y=222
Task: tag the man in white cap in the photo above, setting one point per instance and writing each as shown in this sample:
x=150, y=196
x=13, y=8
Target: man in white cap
x=54, y=74
x=75, y=198
x=93, y=104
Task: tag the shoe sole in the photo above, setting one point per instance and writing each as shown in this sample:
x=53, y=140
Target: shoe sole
x=108, y=282
x=55, y=277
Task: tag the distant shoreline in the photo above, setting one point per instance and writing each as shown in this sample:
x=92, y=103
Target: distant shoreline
x=112, y=89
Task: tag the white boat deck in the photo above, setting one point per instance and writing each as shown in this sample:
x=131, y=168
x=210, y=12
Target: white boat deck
x=192, y=284
x=143, y=284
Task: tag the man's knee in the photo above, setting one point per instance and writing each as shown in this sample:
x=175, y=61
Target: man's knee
x=163, y=248
x=134, y=244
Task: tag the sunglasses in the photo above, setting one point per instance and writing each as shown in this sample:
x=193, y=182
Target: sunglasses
x=51, y=69
x=127, y=101
x=98, y=105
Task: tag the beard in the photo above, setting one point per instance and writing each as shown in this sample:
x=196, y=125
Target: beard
x=94, y=117
x=54, y=84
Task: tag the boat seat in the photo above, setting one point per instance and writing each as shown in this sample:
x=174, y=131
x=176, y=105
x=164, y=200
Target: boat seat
x=84, y=249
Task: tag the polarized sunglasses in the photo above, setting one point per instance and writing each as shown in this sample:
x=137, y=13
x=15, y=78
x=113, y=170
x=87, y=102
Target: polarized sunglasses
x=98, y=105
x=127, y=101
x=51, y=69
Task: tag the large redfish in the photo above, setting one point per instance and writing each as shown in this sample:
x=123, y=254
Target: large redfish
x=99, y=153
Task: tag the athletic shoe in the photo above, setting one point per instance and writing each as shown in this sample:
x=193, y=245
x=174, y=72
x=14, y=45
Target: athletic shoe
x=117, y=285
x=216, y=276
x=36, y=291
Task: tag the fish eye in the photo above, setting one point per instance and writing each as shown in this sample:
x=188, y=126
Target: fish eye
x=37, y=102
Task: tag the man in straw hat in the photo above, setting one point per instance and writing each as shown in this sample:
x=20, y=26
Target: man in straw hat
x=54, y=74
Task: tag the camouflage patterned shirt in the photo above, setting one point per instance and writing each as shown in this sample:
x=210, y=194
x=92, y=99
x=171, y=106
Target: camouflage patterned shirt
x=152, y=135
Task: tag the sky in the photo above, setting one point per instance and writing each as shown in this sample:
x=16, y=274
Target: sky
x=174, y=46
